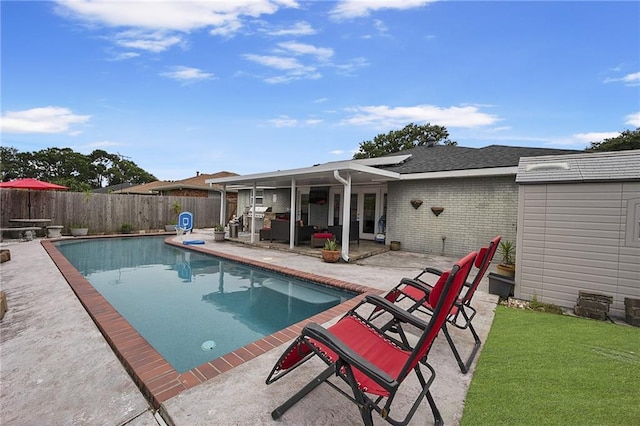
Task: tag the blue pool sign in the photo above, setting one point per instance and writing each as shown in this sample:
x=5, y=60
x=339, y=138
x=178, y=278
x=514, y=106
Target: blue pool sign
x=185, y=221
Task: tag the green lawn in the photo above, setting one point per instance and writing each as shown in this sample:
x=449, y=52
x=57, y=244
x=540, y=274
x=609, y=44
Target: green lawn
x=539, y=368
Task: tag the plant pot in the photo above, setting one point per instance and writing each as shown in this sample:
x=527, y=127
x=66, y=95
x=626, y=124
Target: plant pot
x=218, y=236
x=79, y=232
x=394, y=245
x=330, y=256
x=506, y=270
x=501, y=285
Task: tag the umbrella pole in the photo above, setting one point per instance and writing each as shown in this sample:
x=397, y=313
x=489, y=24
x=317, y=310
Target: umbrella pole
x=29, y=191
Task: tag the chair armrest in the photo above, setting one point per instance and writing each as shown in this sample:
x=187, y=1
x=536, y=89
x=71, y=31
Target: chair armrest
x=399, y=313
x=348, y=356
x=434, y=271
x=420, y=285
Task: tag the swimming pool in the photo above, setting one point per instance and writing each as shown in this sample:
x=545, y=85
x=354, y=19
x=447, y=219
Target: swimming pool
x=193, y=307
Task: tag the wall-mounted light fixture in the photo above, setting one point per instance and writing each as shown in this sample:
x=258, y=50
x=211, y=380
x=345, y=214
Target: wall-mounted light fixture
x=437, y=210
x=416, y=203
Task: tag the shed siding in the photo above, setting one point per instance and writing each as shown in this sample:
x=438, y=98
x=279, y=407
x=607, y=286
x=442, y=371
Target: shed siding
x=572, y=237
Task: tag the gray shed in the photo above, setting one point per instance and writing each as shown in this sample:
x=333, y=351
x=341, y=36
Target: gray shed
x=579, y=227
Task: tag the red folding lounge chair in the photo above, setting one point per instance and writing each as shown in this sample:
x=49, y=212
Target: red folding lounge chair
x=461, y=313
x=372, y=363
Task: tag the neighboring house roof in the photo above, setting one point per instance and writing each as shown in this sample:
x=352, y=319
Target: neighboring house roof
x=113, y=188
x=195, y=182
x=618, y=166
x=144, y=189
x=442, y=158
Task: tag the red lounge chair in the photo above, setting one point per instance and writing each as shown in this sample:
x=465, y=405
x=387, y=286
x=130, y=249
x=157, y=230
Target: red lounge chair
x=373, y=363
x=461, y=313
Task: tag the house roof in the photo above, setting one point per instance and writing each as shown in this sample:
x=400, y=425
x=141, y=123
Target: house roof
x=586, y=167
x=422, y=162
x=445, y=158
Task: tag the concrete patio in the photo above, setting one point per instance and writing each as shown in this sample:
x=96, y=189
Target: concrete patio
x=56, y=368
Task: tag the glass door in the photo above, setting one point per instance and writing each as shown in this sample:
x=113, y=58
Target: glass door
x=367, y=206
x=369, y=201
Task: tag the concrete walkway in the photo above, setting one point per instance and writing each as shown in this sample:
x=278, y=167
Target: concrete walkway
x=56, y=368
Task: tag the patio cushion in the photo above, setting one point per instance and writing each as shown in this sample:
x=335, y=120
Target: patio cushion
x=325, y=235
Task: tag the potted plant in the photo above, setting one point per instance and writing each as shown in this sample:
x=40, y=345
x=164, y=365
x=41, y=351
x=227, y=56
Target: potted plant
x=507, y=266
x=176, y=208
x=80, y=230
x=127, y=228
x=218, y=232
x=330, y=251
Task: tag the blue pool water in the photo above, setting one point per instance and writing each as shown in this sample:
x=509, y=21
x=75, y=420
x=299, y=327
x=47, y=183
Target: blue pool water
x=189, y=306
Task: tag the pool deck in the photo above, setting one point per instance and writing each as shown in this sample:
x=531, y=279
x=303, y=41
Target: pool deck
x=56, y=368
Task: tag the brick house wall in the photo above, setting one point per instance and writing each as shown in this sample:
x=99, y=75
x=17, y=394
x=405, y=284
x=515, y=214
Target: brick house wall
x=475, y=211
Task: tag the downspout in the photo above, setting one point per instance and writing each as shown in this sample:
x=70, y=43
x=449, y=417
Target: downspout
x=223, y=202
x=292, y=215
x=346, y=208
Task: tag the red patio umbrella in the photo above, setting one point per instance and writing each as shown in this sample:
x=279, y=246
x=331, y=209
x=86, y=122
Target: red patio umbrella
x=29, y=184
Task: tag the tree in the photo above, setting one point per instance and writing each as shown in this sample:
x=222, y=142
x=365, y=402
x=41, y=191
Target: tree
x=69, y=168
x=628, y=139
x=409, y=137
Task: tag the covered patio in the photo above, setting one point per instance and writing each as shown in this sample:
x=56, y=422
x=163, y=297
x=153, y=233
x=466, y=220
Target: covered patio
x=356, y=251
x=347, y=174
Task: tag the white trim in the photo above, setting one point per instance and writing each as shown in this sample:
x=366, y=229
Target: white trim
x=494, y=171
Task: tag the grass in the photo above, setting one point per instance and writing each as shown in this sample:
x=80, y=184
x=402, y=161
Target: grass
x=540, y=368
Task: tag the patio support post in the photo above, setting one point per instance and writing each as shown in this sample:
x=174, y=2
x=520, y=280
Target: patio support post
x=292, y=216
x=253, y=213
x=346, y=212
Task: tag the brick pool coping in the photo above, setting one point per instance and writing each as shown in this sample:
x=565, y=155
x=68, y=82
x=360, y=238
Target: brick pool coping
x=154, y=376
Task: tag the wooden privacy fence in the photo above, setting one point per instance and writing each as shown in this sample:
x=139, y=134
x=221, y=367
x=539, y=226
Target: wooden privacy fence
x=105, y=213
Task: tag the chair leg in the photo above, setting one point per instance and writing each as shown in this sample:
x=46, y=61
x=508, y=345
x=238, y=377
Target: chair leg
x=437, y=417
x=464, y=366
x=278, y=412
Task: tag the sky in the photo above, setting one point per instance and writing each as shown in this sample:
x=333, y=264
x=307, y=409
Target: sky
x=253, y=86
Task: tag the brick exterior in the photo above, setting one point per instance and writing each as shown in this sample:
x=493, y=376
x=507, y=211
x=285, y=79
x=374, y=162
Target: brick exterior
x=475, y=211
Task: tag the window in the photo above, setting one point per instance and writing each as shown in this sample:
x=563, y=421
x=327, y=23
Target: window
x=259, y=197
x=633, y=223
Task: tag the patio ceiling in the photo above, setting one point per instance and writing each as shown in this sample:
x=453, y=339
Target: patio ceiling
x=361, y=172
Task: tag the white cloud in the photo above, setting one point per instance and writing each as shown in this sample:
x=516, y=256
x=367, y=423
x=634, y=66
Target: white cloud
x=277, y=62
x=629, y=79
x=313, y=121
x=357, y=8
x=169, y=15
x=123, y=56
x=152, y=41
x=350, y=67
x=50, y=119
x=187, y=74
x=583, y=140
x=294, y=70
x=321, y=53
x=382, y=116
x=633, y=119
x=284, y=121
x=301, y=28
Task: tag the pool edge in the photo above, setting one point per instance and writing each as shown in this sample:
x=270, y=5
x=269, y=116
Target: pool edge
x=153, y=375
